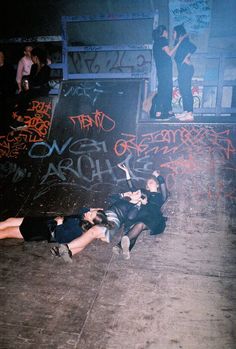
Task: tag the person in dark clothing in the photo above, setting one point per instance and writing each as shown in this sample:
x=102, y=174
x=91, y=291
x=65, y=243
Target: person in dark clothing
x=136, y=213
x=185, y=71
x=35, y=85
x=156, y=193
x=101, y=225
x=52, y=229
x=7, y=92
x=161, y=103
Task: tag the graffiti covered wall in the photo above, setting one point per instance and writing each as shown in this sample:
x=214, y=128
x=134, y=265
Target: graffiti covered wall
x=96, y=126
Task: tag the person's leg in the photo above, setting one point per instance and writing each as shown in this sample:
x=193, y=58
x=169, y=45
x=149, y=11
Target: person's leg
x=165, y=87
x=157, y=102
x=185, y=85
x=181, y=83
x=188, y=92
x=156, y=105
x=134, y=233
x=66, y=251
x=129, y=239
x=11, y=233
x=167, y=103
x=77, y=245
x=11, y=222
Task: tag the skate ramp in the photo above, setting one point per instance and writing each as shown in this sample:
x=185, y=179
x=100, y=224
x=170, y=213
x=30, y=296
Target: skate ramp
x=73, y=160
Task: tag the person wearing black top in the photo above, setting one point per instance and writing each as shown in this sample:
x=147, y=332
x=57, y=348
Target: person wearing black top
x=7, y=92
x=185, y=71
x=161, y=103
x=51, y=229
x=102, y=225
x=135, y=209
x=156, y=194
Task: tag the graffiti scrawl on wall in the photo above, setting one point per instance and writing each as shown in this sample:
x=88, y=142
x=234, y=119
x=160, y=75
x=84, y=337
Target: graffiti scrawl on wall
x=195, y=14
x=37, y=121
x=95, y=128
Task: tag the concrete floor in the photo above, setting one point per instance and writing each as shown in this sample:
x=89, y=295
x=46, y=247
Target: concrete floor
x=177, y=291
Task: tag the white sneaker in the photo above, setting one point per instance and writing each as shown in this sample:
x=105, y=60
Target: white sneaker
x=187, y=117
x=116, y=250
x=177, y=116
x=125, y=243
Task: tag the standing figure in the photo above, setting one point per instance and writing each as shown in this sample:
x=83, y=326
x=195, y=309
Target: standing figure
x=23, y=67
x=185, y=71
x=161, y=103
x=7, y=92
x=36, y=86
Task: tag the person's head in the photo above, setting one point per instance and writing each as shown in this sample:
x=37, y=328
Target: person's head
x=38, y=56
x=152, y=184
x=178, y=31
x=27, y=51
x=93, y=217
x=2, y=57
x=160, y=31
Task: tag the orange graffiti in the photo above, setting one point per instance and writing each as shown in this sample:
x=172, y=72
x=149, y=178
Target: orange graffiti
x=99, y=119
x=42, y=108
x=37, y=125
x=196, y=139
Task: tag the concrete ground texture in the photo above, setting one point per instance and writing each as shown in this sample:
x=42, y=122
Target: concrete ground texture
x=178, y=290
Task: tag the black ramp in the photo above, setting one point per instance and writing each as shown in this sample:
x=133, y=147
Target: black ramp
x=79, y=160
x=18, y=173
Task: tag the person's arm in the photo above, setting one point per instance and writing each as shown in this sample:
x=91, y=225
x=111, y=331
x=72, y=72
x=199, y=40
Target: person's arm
x=124, y=168
x=19, y=74
x=162, y=185
x=191, y=48
x=170, y=52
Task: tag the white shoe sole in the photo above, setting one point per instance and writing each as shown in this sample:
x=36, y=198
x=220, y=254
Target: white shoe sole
x=125, y=243
x=116, y=250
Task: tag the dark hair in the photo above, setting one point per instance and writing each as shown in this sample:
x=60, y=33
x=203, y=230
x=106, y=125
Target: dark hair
x=40, y=53
x=158, y=32
x=180, y=31
x=100, y=219
x=154, y=178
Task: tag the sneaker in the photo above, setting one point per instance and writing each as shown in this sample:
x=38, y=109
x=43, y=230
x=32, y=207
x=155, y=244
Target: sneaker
x=62, y=251
x=178, y=116
x=187, y=117
x=125, y=243
x=116, y=250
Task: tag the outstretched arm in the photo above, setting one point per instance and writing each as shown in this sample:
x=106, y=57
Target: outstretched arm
x=171, y=52
x=124, y=168
x=162, y=185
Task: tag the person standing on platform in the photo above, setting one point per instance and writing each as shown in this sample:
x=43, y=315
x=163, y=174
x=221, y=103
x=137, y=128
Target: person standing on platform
x=161, y=103
x=185, y=71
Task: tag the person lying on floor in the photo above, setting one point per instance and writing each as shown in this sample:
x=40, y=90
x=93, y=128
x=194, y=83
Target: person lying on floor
x=140, y=218
x=157, y=194
x=102, y=225
x=58, y=229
